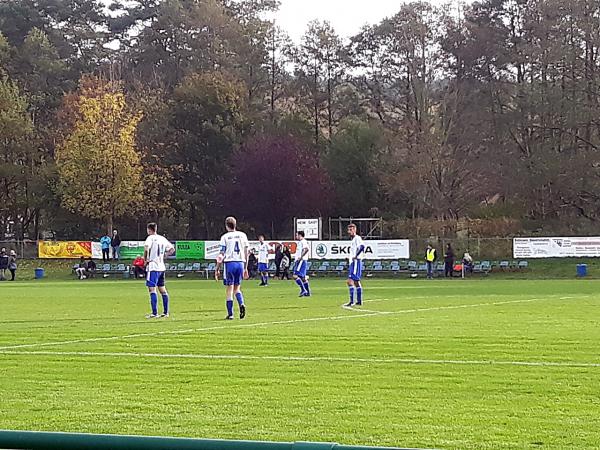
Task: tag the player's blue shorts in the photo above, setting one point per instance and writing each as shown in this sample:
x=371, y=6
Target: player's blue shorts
x=355, y=270
x=301, y=268
x=233, y=274
x=155, y=279
x=263, y=267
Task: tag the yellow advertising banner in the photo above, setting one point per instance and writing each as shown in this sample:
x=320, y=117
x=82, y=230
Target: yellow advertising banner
x=66, y=250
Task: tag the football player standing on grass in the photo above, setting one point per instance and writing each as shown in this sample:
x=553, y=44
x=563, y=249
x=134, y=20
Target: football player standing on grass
x=301, y=265
x=357, y=254
x=234, y=256
x=155, y=249
x=263, y=261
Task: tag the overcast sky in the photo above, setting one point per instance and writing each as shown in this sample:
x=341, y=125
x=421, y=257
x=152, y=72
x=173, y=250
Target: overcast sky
x=346, y=16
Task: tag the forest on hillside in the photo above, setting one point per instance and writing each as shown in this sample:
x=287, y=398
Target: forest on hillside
x=184, y=111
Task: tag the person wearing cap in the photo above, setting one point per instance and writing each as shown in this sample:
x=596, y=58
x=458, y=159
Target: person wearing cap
x=12, y=265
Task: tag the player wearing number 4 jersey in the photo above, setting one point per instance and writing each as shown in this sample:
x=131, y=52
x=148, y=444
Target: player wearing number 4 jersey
x=357, y=254
x=234, y=257
x=156, y=248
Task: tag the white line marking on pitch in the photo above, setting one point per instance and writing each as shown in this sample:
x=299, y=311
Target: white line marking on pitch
x=265, y=324
x=309, y=359
x=361, y=309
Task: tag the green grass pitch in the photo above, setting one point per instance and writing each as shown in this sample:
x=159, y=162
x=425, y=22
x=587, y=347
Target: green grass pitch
x=444, y=364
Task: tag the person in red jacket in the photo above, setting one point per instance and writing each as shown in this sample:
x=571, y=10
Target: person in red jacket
x=139, y=267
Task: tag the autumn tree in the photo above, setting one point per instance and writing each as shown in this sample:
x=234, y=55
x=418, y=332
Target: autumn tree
x=100, y=175
x=273, y=179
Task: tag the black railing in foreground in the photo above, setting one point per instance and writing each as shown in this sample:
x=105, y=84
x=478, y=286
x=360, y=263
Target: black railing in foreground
x=30, y=440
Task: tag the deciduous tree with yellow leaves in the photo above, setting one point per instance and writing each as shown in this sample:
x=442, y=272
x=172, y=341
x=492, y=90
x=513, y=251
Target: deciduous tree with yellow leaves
x=99, y=167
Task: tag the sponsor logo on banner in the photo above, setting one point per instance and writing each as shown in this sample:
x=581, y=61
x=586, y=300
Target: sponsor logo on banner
x=393, y=249
x=189, y=249
x=321, y=250
x=128, y=249
x=64, y=250
x=556, y=247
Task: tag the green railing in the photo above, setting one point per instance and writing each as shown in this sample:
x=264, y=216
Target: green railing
x=28, y=440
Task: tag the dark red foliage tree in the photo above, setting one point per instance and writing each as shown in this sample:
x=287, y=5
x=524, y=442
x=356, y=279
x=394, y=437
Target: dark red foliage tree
x=273, y=179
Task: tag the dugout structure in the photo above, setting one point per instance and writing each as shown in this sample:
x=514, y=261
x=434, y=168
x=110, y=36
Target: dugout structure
x=368, y=228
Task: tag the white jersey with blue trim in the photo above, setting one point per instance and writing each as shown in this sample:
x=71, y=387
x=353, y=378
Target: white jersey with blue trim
x=263, y=253
x=300, y=246
x=156, y=247
x=357, y=242
x=233, y=246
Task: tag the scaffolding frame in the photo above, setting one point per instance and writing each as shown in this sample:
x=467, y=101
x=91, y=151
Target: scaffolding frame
x=368, y=228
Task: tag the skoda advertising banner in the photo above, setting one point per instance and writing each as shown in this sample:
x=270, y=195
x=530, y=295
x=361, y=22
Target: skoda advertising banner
x=392, y=249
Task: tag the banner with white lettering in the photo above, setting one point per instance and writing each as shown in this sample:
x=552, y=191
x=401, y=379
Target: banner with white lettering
x=391, y=249
x=556, y=247
x=212, y=248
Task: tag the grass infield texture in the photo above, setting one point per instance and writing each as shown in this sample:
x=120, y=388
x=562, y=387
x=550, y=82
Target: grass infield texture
x=476, y=364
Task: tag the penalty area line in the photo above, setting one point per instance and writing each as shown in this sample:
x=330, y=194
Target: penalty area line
x=265, y=324
x=326, y=359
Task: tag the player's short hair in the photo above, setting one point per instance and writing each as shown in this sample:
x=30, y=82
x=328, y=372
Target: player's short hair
x=261, y=236
x=301, y=233
x=231, y=223
x=352, y=225
x=152, y=227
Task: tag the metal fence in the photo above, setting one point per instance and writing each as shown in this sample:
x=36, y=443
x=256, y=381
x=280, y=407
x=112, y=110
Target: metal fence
x=479, y=248
x=18, y=440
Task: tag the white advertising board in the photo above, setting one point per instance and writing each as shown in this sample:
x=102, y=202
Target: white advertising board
x=556, y=247
x=311, y=228
x=392, y=249
x=212, y=248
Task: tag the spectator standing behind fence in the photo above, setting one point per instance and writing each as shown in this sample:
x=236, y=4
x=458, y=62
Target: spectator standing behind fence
x=12, y=265
x=105, y=242
x=252, y=264
x=286, y=260
x=278, y=258
x=430, y=258
x=115, y=243
x=449, y=261
x=3, y=264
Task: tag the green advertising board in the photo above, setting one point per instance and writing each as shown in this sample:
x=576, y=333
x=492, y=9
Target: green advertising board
x=131, y=249
x=190, y=249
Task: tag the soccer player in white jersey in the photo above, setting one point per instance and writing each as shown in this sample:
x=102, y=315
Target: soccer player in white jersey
x=156, y=248
x=357, y=254
x=301, y=264
x=263, y=261
x=234, y=256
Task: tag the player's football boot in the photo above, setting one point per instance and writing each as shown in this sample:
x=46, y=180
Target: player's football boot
x=242, y=311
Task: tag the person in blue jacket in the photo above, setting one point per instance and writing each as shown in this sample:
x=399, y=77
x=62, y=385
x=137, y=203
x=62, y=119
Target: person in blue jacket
x=105, y=243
